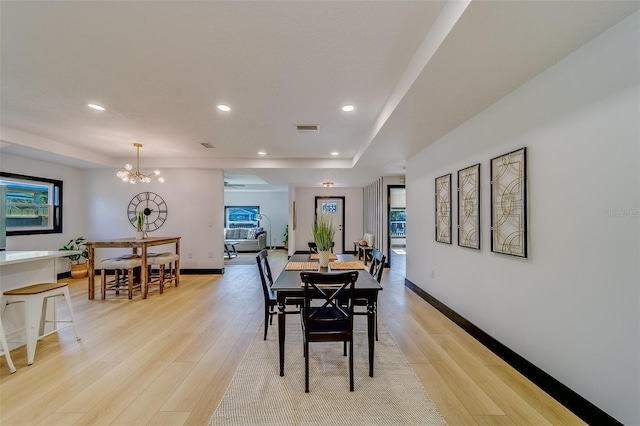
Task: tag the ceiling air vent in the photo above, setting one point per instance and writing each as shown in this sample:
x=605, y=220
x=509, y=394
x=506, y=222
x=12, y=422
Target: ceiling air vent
x=207, y=145
x=308, y=128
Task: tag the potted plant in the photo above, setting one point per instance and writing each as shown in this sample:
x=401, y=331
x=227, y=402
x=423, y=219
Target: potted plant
x=140, y=234
x=323, y=232
x=285, y=237
x=78, y=268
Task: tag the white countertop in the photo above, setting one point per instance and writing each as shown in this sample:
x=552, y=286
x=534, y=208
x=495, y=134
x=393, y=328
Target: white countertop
x=9, y=257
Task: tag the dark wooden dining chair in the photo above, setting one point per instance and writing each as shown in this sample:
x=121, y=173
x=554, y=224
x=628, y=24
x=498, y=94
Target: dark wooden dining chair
x=270, y=300
x=377, y=266
x=313, y=247
x=323, y=318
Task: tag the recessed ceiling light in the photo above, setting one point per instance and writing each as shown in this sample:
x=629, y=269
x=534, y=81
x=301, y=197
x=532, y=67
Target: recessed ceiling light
x=334, y=153
x=348, y=108
x=262, y=153
x=96, y=107
x=223, y=107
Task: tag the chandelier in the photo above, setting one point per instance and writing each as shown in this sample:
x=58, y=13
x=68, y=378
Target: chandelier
x=131, y=176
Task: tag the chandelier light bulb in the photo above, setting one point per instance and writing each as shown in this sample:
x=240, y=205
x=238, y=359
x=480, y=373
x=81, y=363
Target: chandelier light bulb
x=156, y=172
x=128, y=167
x=161, y=179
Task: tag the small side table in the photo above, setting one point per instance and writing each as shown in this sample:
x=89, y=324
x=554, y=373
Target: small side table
x=230, y=249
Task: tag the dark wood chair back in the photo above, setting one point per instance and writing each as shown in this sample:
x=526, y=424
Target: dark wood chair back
x=377, y=264
x=324, y=319
x=313, y=247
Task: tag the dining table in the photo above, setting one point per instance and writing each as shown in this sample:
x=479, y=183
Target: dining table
x=135, y=244
x=289, y=285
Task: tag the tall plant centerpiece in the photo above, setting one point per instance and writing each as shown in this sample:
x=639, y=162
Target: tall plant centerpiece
x=140, y=234
x=323, y=232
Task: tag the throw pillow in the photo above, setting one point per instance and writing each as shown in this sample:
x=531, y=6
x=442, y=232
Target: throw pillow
x=251, y=235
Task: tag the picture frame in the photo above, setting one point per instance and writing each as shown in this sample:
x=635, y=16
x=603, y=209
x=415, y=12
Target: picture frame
x=509, y=228
x=294, y=213
x=443, y=209
x=469, y=207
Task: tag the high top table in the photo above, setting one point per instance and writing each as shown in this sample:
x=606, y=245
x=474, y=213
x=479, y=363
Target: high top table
x=287, y=285
x=134, y=244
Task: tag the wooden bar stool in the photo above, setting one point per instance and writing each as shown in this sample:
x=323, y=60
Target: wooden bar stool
x=5, y=349
x=35, y=298
x=123, y=270
x=165, y=276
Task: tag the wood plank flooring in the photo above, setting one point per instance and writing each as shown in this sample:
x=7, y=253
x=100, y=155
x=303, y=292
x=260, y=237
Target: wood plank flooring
x=168, y=360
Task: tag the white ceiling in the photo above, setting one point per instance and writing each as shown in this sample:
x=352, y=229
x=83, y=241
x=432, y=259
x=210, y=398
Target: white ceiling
x=414, y=70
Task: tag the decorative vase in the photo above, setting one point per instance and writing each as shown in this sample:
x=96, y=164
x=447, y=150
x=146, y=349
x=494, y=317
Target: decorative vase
x=140, y=235
x=79, y=270
x=323, y=257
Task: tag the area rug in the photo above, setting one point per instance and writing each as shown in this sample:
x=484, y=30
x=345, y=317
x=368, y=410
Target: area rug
x=257, y=395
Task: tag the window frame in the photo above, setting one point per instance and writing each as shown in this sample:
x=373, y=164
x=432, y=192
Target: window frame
x=56, y=204
x=255, y=222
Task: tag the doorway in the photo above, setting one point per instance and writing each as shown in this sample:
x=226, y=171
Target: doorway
x=334, y=206
x=396, y=225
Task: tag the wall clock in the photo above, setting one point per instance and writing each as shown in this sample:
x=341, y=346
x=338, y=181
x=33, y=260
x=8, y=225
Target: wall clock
x=154, y=208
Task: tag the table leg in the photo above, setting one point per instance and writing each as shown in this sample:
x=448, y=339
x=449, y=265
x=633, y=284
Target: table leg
x=371, y=320
x=178, y=263
x=90, y=276
x=144, y=273
x=282, y=319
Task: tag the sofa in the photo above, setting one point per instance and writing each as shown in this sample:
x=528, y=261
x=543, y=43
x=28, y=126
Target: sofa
x=247, y=239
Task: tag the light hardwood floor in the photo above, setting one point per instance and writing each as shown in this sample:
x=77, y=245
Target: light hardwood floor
x=167, y=360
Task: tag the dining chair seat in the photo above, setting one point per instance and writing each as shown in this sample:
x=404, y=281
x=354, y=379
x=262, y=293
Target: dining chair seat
x=166, y=263
x=123, y=280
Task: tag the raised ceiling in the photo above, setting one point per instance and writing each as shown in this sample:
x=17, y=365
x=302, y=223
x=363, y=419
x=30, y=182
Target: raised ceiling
x=414, y=70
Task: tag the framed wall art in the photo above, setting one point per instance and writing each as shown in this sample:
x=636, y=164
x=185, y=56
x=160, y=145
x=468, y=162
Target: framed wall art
x=469, y=207
x=509, y=203
x=443, y=209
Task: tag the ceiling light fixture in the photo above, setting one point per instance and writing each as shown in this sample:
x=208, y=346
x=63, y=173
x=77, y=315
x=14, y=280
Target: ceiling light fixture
x=223, y=107
x=348, y=108
x=327, y=184
x=262, y=153
x=334, y=153
x=96, y=107
x=128, y=175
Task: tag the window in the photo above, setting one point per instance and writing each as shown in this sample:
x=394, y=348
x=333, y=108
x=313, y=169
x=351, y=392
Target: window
x=32, y=205
x=397, y=222
x=241, y=216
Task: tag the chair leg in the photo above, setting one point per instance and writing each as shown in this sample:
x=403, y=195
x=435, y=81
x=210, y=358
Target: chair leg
x=351, y=364
x=266, y=321
x=130, y=281
x=67, y=297
x=5, y=349
x=103, y=283
x=306, y=367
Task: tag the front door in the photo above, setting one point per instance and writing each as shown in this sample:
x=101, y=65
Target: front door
x=334, y=206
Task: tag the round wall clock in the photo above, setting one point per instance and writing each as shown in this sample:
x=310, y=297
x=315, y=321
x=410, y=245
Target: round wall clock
x=154, y=208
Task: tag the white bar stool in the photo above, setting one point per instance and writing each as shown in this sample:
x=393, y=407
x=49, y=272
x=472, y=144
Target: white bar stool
x=124, y=264
x=35, y=298
x=5, y=349
x=164, y=276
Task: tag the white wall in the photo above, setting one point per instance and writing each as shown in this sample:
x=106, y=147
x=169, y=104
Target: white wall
x=272, y=204
x=74, y=201
x=572, y=308
x=305, y=214
x=195, y=206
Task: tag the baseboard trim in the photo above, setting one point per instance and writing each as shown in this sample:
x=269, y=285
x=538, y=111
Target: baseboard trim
x=64, y=275
x=561, y=393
